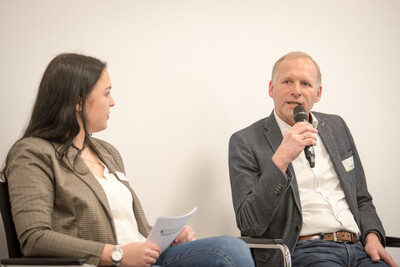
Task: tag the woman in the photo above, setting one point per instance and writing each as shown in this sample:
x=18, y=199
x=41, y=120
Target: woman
x=69, y=193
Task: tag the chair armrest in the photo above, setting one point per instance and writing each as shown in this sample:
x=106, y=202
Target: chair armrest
x=392, y=242
x=43, y=262
x=264, y=243
x=260, y=241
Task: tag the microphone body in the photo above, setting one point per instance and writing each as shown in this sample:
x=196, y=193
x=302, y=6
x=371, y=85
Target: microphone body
x=299, y=115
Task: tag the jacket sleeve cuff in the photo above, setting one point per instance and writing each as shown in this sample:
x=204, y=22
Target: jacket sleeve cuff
x=379, y=235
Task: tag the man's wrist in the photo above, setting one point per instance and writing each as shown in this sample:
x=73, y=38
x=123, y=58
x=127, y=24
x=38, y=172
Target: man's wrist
x=375, y=233
x=279, y=162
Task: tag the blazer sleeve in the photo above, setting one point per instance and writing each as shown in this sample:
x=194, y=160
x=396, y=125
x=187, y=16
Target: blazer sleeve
x=257, y=187
x=31, y=180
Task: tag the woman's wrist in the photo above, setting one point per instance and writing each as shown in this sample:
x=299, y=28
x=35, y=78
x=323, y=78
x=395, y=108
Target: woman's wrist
x=105, y=259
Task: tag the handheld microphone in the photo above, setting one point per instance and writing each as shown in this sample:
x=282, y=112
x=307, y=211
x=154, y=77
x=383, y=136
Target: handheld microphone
x=299, y=115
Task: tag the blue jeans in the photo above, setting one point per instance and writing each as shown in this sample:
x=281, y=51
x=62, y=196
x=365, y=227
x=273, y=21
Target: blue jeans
x=208, y=252
x=326, y=253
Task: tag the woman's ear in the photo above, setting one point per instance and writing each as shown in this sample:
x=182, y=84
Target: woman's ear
x=79, y=105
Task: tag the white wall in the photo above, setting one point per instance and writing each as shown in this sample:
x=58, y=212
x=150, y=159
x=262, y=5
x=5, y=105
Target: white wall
x=187, y=74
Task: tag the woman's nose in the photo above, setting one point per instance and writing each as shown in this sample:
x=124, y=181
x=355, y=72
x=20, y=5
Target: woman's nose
x=112, y=102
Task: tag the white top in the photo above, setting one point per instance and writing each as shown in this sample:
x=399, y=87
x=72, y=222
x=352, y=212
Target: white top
x=323, y=203
x=120, y=201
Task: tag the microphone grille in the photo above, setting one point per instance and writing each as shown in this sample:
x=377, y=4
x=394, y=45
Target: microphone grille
x=299, y=114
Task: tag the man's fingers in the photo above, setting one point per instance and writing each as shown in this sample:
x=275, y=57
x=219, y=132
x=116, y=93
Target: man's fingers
x=375, y=257
x=388, y=259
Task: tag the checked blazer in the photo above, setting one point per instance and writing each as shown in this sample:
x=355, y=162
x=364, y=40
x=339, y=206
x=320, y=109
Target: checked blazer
x=59, y=212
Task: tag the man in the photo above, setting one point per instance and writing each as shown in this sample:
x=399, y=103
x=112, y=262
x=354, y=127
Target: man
x=326, y=210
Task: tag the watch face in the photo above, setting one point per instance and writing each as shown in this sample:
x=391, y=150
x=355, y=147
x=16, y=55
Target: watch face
x=116, y=255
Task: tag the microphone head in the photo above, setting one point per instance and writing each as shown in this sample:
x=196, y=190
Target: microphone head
x=299, y=114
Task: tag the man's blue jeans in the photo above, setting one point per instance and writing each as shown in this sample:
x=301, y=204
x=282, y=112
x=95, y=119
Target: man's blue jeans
x=326, y=253
x=208, y=252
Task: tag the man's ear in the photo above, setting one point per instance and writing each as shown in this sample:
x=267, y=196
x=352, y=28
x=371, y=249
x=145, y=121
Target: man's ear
x=270, y=89
x=319, y=94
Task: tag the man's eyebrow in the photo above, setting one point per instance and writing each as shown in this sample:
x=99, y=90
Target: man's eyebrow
x=310, y=81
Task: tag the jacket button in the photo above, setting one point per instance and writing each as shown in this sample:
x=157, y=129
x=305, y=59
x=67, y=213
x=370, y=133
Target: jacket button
x=297, y=228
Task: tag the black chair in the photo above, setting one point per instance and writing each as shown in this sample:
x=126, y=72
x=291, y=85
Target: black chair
x=10, y=252
x=11, y=243
x=392, y=242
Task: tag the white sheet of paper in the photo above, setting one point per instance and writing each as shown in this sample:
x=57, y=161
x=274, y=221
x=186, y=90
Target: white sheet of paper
x=166, y=229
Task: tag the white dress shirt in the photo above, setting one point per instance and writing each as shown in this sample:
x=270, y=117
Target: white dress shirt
x=323, y=203
x=120, y=201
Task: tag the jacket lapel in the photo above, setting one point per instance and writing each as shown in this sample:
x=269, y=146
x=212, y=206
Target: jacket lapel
x=109, y=161
x=142, y=223
x=274, y=139
x=83, y=173
x=327, y=138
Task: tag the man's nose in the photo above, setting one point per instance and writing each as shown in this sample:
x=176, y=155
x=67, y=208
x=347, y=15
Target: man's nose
x=296, y=90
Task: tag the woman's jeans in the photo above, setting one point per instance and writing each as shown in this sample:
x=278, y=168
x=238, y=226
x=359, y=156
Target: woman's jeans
x=208, y=252
x=326, y=253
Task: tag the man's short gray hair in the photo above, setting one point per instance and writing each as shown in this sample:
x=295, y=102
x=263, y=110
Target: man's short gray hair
x=295, y=54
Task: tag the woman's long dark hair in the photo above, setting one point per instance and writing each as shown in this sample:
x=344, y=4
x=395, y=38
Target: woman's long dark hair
x=68, y=78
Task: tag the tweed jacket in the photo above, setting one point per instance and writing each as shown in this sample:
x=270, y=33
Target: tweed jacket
x=62, y=213
x=266, y=200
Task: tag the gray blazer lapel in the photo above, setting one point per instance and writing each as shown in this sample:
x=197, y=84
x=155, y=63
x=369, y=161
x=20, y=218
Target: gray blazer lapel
x=327, y=138
x=271, y=128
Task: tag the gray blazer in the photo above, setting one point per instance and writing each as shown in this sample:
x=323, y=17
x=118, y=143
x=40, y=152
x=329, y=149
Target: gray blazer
x=267, y=202
x=58, y=212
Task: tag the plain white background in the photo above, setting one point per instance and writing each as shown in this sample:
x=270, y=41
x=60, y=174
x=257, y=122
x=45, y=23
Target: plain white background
x=187, y=74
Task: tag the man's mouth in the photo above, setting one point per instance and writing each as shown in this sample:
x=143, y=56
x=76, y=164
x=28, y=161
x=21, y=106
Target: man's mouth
x=294, y=103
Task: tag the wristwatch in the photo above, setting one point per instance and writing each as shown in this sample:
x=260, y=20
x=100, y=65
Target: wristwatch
x=117, y=255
